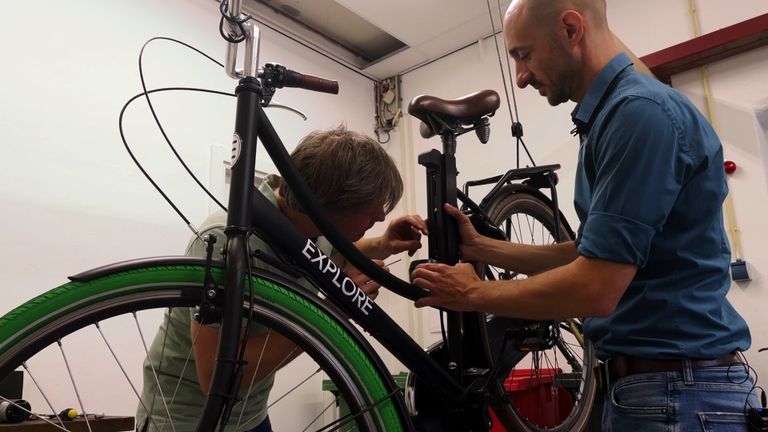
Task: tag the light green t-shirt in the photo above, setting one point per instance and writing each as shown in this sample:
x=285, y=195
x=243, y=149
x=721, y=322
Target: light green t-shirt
x=174, y=363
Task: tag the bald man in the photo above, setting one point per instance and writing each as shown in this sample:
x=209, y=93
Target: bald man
x=649, y=268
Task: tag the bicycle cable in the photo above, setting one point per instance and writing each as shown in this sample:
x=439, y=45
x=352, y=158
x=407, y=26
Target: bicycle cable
x=146, y=94
x=749, y=369
x=141, y=167
x=154, y=114
x=517, y=126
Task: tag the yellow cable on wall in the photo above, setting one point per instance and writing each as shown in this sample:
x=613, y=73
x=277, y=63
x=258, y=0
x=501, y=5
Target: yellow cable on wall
x=733, y=230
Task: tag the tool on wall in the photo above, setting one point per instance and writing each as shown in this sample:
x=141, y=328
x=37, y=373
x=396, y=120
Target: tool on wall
x=388, y=103
x=739, y=266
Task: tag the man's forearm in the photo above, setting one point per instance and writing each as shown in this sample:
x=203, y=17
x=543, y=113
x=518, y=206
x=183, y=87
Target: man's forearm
x=525, y=259
x=584, y=287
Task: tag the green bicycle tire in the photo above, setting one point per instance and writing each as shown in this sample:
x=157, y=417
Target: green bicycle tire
x=44, y=319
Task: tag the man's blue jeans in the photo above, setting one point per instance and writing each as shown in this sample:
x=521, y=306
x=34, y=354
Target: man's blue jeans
x=706, y=399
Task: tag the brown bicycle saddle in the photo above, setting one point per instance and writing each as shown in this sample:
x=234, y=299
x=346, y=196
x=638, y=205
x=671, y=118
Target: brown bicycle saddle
x=464, y=110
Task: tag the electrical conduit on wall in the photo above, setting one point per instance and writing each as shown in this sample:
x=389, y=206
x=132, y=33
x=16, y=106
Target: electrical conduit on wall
x=733, y=231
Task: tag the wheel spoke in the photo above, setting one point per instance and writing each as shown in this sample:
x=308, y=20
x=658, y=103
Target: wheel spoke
x=42, y=393
x=155, y=377
x=57, y=338
x=74, y=385
x=253, y=380
x=559, y=356
x=119, y=364
x=333, y=402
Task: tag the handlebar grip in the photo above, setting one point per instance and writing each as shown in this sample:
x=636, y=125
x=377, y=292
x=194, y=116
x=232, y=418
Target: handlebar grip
x=280, y=76
x=310, y=82
x=320, y=84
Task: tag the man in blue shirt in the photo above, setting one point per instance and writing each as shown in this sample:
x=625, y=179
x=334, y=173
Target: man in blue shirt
x=649, y=267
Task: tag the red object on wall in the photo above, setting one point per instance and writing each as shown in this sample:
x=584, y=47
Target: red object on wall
x=729, y=166
x=535, y=396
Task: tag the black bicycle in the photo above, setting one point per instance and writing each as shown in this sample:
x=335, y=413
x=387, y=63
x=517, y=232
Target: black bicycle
x=487, y=371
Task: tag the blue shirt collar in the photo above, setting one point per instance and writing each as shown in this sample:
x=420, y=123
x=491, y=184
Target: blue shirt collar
x=584, y=111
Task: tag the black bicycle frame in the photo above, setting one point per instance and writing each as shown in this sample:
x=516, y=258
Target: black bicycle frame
x=537, y=177
x=444, y=247
x=333, y=281
x=224, y=383
x=250, y=210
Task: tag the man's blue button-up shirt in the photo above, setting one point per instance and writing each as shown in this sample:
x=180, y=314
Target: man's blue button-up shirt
x=649, y=191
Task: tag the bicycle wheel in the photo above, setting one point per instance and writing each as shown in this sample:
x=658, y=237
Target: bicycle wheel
x=545, y=368
x=37, y=337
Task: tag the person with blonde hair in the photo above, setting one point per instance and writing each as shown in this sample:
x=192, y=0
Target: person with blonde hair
x=358, y=184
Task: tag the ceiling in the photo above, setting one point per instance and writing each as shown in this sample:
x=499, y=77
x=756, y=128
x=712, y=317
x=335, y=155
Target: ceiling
x=381, y=39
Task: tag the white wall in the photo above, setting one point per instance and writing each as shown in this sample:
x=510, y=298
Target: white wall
x=71, y=198
x=740, y=94
x=67, y=178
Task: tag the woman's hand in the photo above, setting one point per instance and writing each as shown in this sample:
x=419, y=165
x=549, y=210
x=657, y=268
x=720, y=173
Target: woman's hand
x=404, y=233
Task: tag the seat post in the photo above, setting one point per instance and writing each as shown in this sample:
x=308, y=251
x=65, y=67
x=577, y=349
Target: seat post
x=441, y=188
x=443, y=244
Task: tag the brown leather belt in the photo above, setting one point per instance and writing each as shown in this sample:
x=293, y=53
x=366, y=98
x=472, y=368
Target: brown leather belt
x=618, y=367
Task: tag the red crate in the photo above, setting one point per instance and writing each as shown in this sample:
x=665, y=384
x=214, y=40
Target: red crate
x=536, y=397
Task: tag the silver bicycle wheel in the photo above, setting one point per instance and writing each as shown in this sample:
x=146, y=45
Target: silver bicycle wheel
x=545, y=368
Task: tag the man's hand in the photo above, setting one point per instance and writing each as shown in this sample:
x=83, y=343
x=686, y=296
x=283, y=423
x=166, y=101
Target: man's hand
x=369, y=286
x=470, y=238
x=451, y=286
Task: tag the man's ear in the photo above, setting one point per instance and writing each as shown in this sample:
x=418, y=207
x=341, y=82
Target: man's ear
x=573, y=24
